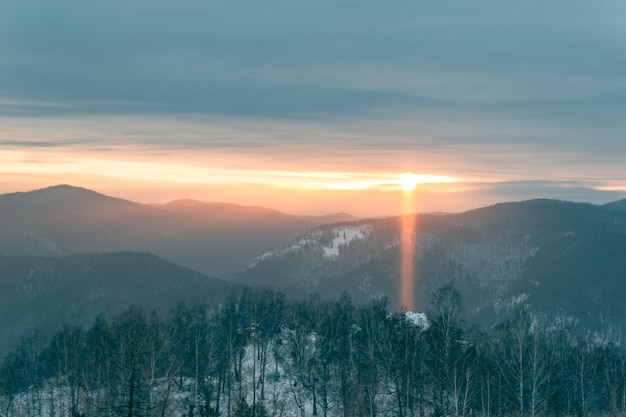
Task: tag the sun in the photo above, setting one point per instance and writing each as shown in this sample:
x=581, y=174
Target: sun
x=408, y=181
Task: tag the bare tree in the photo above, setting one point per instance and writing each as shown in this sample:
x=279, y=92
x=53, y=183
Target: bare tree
x=512, y=351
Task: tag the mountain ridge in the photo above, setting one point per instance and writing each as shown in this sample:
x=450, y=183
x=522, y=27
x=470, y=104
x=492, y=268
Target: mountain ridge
x=616, y=205
x=43, y=293
x=215, y=238
x=539, y=252
x=499, y=257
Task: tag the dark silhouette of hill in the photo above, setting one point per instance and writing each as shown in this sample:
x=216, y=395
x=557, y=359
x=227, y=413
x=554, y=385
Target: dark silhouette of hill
x=619, y=205
x=329, y=218
x=215, y=238
x=45, y=293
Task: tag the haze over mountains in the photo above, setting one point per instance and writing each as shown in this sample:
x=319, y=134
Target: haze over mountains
x=68, y=254
x=217, y=239
x=558, y=259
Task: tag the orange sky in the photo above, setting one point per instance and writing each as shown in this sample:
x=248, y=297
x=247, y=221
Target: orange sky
x=298, y=192
x=300, y=168
x=128, y=157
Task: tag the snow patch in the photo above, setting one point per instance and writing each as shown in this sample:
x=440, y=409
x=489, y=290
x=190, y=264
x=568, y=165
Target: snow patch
x=343, y=236
x=417, y=319
x=297, y=245
x=330, y=241
x=508, y=304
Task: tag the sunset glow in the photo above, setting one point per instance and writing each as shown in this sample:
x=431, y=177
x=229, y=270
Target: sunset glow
x=161, y=175
x=408, y=181
x=20, y=163
x=358, y=182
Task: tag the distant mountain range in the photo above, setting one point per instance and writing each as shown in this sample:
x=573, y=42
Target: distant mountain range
x=217, y=239
x=558, y=258
x=45, y=293
x=68, y=254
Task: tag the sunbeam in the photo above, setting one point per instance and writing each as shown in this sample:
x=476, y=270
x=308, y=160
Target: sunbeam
x=407, y=244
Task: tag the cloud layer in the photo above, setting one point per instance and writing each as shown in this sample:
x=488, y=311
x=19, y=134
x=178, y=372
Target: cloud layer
x=484, y=90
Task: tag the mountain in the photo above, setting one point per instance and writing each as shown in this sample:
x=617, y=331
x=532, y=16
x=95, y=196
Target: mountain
x=619, y=205
x=329, y=218
x=45, y=293
x=215, y=238
x=558, y=258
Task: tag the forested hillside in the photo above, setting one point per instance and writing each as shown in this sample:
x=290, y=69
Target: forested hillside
x=46, y=292
x=562, y=258
x=259, y=354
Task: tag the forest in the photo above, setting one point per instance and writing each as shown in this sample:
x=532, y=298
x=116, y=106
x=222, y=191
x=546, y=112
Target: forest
x=260, y=354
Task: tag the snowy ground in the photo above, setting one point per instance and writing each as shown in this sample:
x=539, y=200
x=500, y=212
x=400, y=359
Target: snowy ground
x=283, y=395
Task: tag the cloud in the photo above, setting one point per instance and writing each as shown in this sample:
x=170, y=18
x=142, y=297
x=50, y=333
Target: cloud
x=582, y=191
x=277, y=59
x=43, y=144
x=484, y=90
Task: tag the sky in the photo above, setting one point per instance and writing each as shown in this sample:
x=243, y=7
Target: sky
x=316, y=107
